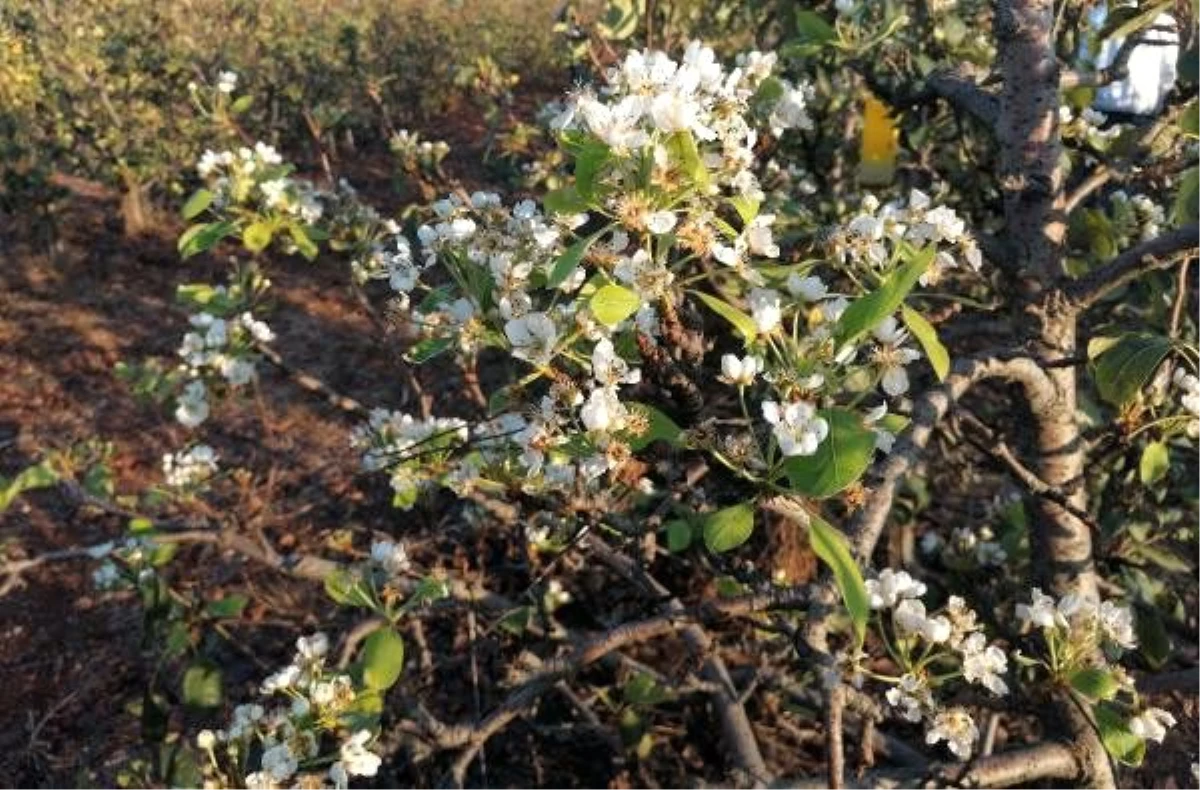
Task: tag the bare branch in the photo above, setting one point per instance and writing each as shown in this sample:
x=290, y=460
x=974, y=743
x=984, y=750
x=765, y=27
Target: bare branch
x=735, y=725
x=1157, y=253
x=1016, y=768
x=470, y=737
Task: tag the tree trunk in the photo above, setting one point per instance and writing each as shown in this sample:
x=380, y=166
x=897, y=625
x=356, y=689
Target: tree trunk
x=1035, y=227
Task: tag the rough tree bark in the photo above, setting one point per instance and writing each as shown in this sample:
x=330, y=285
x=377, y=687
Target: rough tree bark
x=1035, y=227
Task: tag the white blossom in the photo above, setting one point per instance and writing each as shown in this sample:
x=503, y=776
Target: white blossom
x=1152, y=724
x=890, y=587
x=356, y=759
x=796, y=426
x=740, y=371
x=957, y=729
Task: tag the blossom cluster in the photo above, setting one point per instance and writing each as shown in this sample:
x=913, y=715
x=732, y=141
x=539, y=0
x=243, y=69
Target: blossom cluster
x=919, y=642
x=288, y=739
x=219, y=350
x=875, y=235
x=1082, y=634
x=1189, y=398
x=258, y=177
x=579, y=288
x=1136, y=217
x=189, y=467
x=417, y=155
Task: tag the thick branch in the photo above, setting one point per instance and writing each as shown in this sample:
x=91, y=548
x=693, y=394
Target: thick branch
x=1157, y=253
x=865, y=528
x=964, y=94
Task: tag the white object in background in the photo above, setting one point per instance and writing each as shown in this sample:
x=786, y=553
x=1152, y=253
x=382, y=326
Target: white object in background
x=1151, y=66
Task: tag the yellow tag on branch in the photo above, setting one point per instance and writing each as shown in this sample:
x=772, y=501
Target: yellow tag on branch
x=880, y=141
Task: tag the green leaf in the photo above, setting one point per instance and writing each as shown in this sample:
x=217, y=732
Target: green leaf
x=1124, y=747
x=811, y=28
x=1155, y=463
x=33, y=477
x=257, y=236
x=590, y=156
x=1189, y=119
x=1163, y=557
x=202, y=685
x=241, y=104
x=661, y=428
x=200, y=200
x=202, y=238
x=1124, y=369
x=643, y=689
x=681, y=147
x=865, y=313
x=743, y=323
x=1154, y=643
x=728, y=528
x=1095, y=683
x=565, y=200
x=428, y=348
x=679, y=535
x=566, y=263
x=927, y=336
x=230, y=606
x=612, y=304
x=516, y=621
x=839, y=460
x=746, y=208
x=304, y=243
x=383, y=659
x=829, y=544
x=1187, y=202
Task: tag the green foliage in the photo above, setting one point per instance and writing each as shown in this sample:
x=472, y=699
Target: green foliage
x=830, y=545
x=1124, y=368
x=728, y=528
x=383, y=659
x=839, y=461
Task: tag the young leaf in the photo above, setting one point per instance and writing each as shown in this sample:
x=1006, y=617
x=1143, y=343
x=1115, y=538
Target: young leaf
x=729, y=528
x=428, y=348
x=1122, y=370
x=566, y=200
x=202, y=238
x=383, y=659
x=570, y=259
x=257, y=236
x=303, y=241
x=865, y=313
x=33, y=477
x=200, y=200
x=679, y=535
x=228, y=607
x=743, y=323
x=927, y=336
x=839, y=460
x=202, y=686
x=1095, y=683
x=612, y=304
x=682, y=148
x=1124, y=747
x=241, y=104
x=830, y=546
x=1155, y=463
